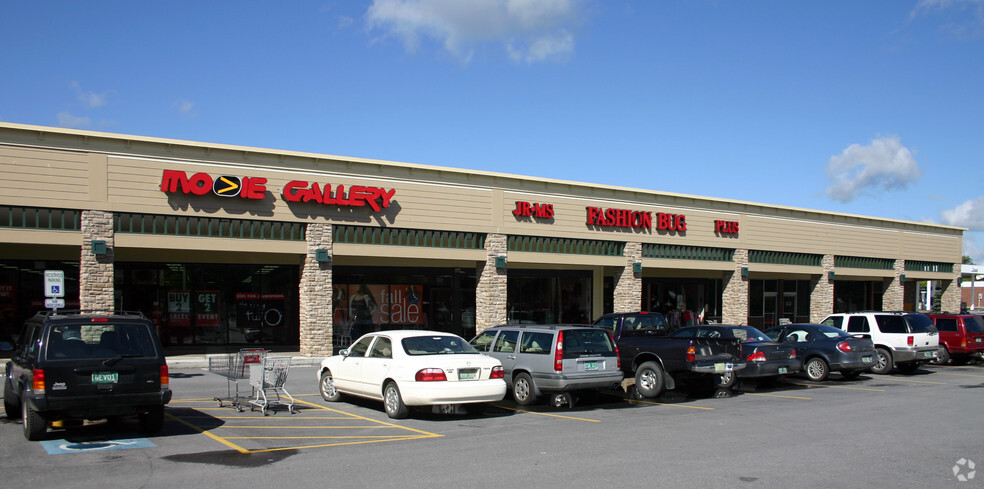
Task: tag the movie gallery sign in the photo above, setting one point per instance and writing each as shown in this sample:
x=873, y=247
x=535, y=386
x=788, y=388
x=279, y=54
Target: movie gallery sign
x=175, y=181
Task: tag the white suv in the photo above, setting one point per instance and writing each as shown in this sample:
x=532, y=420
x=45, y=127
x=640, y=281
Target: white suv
x=903, y=340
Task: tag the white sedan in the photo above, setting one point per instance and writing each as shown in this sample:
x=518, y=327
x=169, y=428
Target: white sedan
x=413, y=368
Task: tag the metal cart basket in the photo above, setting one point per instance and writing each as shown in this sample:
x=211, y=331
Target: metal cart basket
x=235, y=367
x=268, y=381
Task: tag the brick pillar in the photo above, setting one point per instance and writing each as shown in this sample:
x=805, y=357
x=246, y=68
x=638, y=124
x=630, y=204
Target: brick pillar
x=628, y=286
x=893, y=299
x=822, y=291
x=96, y=284
x=316, y=294
x=735, y=294
x=490, y=300
x=951, y=298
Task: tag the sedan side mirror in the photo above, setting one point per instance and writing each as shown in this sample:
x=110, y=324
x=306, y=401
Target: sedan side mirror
x=343, y=352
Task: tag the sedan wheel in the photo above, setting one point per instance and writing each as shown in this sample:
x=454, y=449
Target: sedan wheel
x=395, y=408
x=816, y=369
x=328, y=390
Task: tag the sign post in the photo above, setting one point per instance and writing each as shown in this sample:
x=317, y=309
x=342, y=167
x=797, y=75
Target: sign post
x=54, y=289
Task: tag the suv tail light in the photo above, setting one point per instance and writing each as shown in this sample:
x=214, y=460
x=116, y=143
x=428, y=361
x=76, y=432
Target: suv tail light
x=430, y=375
x=910, y=341
x=497, y=373
x=691, y=353
x=844, y=346
x=165, y=378
x=559, y=352
x=756, y=357
x=963, y=343
x=37, y=383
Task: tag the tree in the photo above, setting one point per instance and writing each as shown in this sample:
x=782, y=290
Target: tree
x=968, y=260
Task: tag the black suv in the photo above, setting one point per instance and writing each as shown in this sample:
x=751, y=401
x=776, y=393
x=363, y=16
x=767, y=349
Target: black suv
x=72, y=366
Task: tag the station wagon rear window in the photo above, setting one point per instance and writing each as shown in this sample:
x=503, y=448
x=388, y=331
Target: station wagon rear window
x=974, y=324
x=579, y=342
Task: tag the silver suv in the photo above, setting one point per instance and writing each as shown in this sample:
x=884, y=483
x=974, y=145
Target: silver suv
x=555, y=360
x=903, y=340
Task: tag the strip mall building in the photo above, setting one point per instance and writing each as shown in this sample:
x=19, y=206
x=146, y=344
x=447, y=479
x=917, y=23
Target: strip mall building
x=225, y=246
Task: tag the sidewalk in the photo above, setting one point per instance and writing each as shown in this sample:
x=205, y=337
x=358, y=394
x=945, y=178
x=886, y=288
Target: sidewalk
x=200, y=360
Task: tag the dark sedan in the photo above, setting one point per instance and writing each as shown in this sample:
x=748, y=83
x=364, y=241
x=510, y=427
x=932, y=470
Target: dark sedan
x=764, y=358
x=825, y=348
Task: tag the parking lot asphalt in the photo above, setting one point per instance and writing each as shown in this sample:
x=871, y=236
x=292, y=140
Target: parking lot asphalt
x=879, y=431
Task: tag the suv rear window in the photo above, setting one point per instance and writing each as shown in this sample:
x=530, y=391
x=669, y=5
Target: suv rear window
x=974, y=324
x=578, y=342
x=920, y=323
x=891, y=324
x=68, y=340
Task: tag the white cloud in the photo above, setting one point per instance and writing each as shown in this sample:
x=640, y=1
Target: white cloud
x=528, y=30
x=884, y=164
x=959, y=19
x=90, y=99
x=68, y=120
x=969, y=214
x=185, y=107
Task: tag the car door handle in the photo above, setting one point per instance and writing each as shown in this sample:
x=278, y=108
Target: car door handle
x=511, y=357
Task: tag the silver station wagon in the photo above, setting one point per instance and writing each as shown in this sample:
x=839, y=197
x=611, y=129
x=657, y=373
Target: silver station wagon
x=557, y=361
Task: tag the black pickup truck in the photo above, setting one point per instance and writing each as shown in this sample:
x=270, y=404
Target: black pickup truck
x=656, y=359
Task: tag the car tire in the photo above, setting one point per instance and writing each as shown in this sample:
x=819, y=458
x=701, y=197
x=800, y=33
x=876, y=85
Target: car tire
x=11, y=403
x=327, y=387
x=816, y=369
x=524, y=392
x=883, y=362
x=649, y=380
x=35, y=426
x=726, y=380
x=393, y=402
x=152, y=421
x=942, y=356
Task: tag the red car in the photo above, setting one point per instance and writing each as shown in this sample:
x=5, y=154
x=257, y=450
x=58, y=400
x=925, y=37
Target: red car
x=961, y=337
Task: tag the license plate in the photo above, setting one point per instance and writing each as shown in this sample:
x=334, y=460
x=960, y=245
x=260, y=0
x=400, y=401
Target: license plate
x=724, y=367
x=865, y=359
x=783, y=370
x=590, y=365
x=105, y=377
x=977, y=340
x=470, y=374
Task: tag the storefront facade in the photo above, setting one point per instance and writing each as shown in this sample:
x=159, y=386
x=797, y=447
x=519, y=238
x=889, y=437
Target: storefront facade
x=227, y=246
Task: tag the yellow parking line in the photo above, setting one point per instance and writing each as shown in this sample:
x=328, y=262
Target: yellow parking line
x=913, y=381
x=548, y=414
x=362, y=427
x=777, y=395
x=842, y=387
x=654, y=403
x=210, y=435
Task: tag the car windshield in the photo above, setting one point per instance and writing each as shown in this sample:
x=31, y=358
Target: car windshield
x=920, y=323
x=974, y=324
x=436, y=345
x=99, y=340
x=832, y=332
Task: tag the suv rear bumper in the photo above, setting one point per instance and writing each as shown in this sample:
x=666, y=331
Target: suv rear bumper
x=98, y=406
x=914, y=354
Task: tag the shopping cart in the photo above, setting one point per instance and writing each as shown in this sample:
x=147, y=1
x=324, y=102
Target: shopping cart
x=235, y=367
x=268, y=380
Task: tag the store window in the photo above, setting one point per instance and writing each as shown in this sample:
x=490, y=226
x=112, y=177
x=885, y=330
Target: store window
x=549, y=297
x=683, y=302
x=22, y=291
x=193, y=304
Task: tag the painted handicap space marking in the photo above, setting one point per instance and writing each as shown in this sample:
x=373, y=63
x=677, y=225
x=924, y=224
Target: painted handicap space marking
x=54, y=447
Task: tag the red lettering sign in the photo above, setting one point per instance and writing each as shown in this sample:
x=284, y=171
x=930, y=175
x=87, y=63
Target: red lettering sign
x=358, y=196
x=726, y=227
x=175, y=181
x=538, y=211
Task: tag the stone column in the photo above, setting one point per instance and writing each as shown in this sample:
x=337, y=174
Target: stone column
x=491, y=291
x=96, y=279
x=316, y=328
x=951, y=297
x=822, y=292
x=893, y=299
x=735, y=295
x=628, y=286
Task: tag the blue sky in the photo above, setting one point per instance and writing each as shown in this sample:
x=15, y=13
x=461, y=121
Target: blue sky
x=863, y=107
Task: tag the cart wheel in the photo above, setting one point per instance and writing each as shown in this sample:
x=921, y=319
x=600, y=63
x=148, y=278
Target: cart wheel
x=218, y=402
x=265, y=413
x=239, y=408
x=252, y=409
